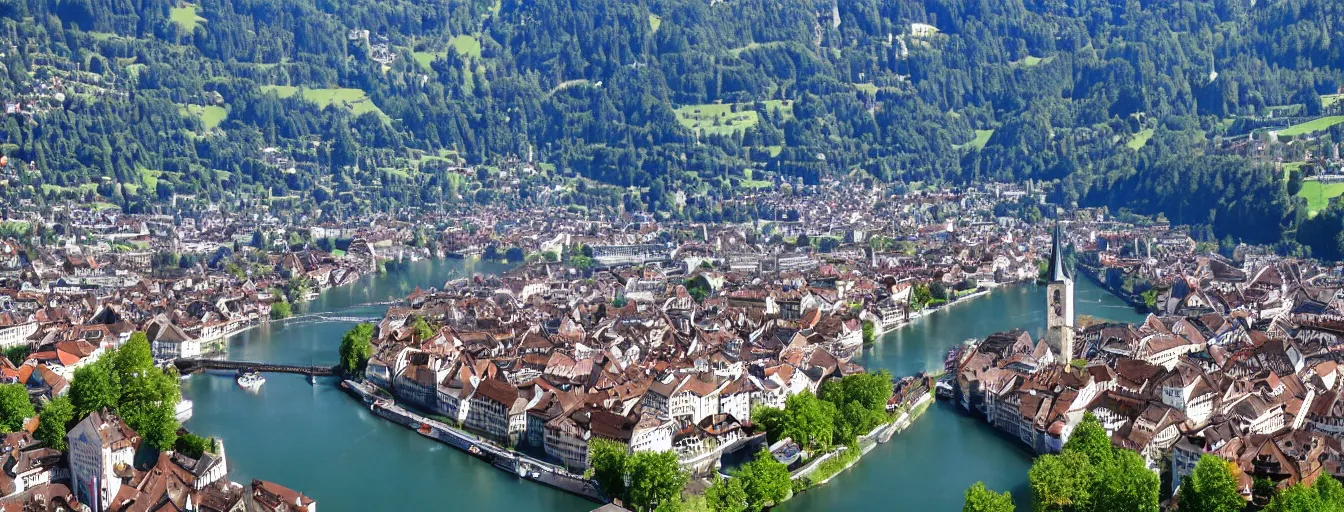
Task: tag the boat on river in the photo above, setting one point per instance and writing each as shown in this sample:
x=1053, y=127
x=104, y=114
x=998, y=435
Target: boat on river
x=250, y=379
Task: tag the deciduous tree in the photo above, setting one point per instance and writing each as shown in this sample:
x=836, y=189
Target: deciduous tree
x=356, y=348
x=1211, y=487
x=765, y=482
x=14, y=407
x=655, y=478
x=981, y=499
x=54, y=422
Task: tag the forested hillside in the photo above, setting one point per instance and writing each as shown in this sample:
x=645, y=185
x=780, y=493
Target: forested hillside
x=1124, y=104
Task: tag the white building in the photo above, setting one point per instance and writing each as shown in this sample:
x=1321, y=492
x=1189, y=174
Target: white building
x=102, y=447
x=168, y=341
x=16, y=334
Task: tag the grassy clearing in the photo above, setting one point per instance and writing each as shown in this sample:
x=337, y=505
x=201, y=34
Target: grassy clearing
x=354, y=100
x=1312, y=126
x=445, y=155
x=1330, y=99
x=981, y=138
x=1032, y=61
x=655, y=21
x=81, y=188
x=187, y=16
x=466, y=45
x=738, y=51
x=1140, y=139
x=424, y=58
x=719, y=118
x=1289, y=167
x=1318, y=194
x=210, y=115
x=774, y=150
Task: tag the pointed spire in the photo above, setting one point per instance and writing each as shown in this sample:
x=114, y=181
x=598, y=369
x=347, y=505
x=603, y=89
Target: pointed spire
x=1058, y=270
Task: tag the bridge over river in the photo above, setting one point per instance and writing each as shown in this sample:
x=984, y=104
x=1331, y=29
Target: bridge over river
x=187, y=366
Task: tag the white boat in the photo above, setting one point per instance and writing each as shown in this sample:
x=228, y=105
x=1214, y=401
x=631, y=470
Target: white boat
x=183, y=412
x=250, y=379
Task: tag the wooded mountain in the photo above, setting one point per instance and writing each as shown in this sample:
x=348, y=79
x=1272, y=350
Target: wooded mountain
x=1098, y=102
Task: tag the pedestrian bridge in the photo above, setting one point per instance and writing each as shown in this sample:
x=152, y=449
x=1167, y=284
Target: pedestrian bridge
x=187, y=366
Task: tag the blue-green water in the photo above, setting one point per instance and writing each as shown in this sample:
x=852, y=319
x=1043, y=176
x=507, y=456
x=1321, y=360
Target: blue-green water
x=317, y=440
x=930, y=465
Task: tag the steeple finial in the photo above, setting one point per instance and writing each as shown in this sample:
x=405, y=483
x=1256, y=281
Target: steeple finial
x=1058, y=271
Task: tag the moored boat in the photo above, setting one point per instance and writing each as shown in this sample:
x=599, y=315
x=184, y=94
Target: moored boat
x=250, y=379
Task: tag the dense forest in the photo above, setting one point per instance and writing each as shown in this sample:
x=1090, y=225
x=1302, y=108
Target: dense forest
x=310, y=102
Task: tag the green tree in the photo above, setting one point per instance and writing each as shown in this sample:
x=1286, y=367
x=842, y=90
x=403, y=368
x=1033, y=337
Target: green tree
x=17, y=354
x=133, y=357
x=920, y=297
x=280, y=310
x=14, y=407
x=54, y=422
x=157, y=425
x=1061, y=482
x=806, y=419
x=869, y=333
x=1297, y=498
x=608, y=460
x=698, y=287
x=421, y=328
x=193, y=445
x=1126, y=483
x=1090, y=439
x=726, y=494
x=765, y=482
x=1330, y=490
x=980, y=499
x=655, y=479
x=581, y=262
x=1211, y=487
x=356, y=349
x=93, y=388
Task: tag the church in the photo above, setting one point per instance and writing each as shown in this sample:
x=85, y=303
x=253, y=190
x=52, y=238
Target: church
x=1059, y=333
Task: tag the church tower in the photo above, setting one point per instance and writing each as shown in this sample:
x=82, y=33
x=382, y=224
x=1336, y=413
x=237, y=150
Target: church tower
x=1059, y=332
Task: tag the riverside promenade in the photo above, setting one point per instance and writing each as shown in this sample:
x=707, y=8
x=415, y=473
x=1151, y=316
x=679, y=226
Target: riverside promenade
x=504, y=459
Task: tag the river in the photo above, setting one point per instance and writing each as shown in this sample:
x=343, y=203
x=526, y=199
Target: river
x=317, y=440
x=930, y=465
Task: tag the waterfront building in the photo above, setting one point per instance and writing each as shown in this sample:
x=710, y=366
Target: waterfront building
x=566, y=440
x=102, y=448
x=652, y=434
x=490, y=408
x=169, y=341
x=271, y=497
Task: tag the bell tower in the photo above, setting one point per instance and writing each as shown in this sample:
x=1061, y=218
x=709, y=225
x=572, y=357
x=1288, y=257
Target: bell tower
x=1059, y=332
